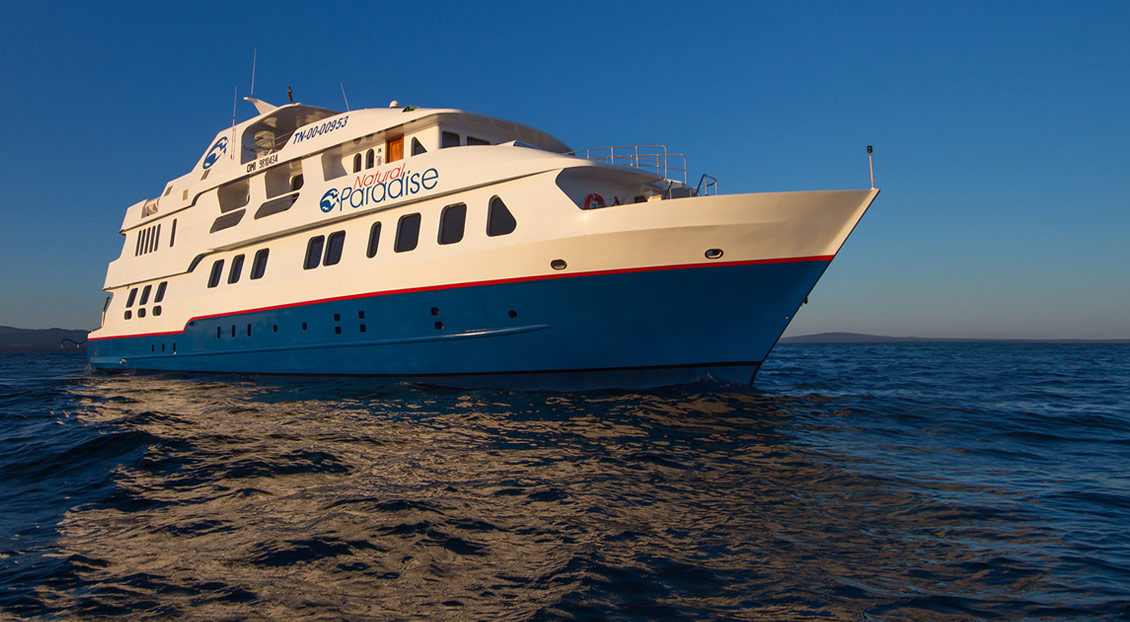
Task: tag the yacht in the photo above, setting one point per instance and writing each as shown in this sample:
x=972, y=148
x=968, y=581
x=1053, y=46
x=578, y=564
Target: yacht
x=441, y=246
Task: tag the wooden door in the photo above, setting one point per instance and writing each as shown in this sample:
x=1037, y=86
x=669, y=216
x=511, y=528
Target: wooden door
x=395, y=149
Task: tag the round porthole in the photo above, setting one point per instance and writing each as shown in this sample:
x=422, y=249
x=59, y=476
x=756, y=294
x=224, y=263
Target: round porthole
x=558, y=264
x=714, y=253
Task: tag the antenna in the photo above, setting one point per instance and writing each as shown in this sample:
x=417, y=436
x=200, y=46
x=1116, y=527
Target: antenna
x=254, y=53
x=343, y=96
x=234, y=103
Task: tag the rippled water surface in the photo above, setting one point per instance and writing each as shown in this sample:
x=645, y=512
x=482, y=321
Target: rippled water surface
x=855, y=482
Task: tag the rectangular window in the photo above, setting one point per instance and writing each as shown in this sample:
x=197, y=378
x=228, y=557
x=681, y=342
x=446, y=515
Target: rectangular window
x=334, y=246
x=451, y=223
x=407, y=233
x=236, y=269
x=173, y=233
x=374, y=239
x=499, y=219
x=259, y=266
x=157, y=237
x=145, y=295
x=217, y=270
x=160, y=292
x=314, y=252
x=471, y=140
x=449, y=139
x=132, y=297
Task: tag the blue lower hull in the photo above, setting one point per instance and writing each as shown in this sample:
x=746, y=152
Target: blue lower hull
x=644, y=328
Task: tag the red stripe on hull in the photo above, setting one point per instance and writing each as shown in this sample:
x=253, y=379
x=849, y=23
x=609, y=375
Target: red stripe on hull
x=519, y=279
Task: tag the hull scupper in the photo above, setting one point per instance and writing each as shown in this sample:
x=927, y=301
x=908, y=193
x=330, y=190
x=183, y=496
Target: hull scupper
x=442, y=246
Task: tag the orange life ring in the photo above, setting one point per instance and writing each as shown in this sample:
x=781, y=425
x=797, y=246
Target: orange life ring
x=593, y=201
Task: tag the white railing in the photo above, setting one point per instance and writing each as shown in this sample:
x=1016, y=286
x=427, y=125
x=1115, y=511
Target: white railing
x=645, y=157
x=707, y=185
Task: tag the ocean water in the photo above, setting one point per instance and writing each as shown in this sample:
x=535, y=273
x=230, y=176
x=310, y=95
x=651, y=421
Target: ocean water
x=854, y=482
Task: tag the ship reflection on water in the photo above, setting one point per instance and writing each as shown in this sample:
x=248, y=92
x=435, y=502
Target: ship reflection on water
x=292, y=499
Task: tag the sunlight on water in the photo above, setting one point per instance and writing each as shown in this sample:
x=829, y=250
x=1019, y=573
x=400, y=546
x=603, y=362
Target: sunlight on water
x=882, y=482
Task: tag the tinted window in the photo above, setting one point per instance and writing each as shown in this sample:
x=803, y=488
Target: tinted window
x=333, y=249
x=296, y=182
x=370, y=158
x=236, y=269
x=160, y=292
x=145, y=295
x=357, y=163
x=374, y=238
x=217, y=270
x=471, y=140
x=450, y=139
x=314, y=252
x=407, y=232
x=173, y=233
x=260, y=265
x=499, y=219
x=132, y=296
x=417, y=148
x=451, y=223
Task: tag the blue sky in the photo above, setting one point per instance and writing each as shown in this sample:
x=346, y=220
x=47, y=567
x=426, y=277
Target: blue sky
x=1001, y=136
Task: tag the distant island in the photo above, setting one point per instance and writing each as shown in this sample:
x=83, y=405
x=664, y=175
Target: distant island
x=864, y=338
x=39, y=340
x=49, y=339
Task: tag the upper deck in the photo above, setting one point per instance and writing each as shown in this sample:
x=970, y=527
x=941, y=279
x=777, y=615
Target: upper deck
x=278, y=135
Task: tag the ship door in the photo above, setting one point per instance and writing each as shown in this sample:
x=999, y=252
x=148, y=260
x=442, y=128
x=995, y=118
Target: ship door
x=396, y=149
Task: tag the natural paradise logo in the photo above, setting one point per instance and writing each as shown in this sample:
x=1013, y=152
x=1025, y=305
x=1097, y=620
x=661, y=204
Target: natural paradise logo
x=216, y=152
x=374, y=188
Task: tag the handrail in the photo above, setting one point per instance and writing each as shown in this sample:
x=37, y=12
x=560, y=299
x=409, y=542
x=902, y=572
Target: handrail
x=645, y=157
x=705, y=190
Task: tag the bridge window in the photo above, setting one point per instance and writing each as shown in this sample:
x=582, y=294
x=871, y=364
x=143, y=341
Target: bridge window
x=417, y=148
x=407, y=233
x=314, y=252
x=374, y=239
x=451, y=223
x=217, y=270
x=449, y=139
x=333, y=247
x=259, y=266
x=236, y=269
x=471, y=140
x=499, y=219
